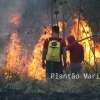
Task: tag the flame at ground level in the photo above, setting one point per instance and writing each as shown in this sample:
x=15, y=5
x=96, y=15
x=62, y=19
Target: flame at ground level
x=13, y=52
x=81, y=30
x=33, y=68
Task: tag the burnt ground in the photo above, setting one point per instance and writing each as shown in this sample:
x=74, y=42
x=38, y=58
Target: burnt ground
x=26, y=89
x=60, y=90
x=17, y=95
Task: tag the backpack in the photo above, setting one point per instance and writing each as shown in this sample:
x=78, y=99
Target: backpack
x=53, y=53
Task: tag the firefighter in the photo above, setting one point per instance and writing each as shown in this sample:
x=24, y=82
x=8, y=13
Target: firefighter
x=76, y=54
x=53, y=53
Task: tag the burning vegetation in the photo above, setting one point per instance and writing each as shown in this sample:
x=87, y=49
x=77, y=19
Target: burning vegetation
x=35, y=68
x=13, y=58
x=15, y=20
x=16, y=61
x=81, y=30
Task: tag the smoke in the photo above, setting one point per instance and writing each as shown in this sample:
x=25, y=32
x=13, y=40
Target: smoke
x=90, y=10
x=35, y=14
x=7, y=9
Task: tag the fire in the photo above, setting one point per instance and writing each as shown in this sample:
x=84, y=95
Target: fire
x=97, y=52
x=61, y=25
x=81, y=30
x=15, y=20
x=35, y=68
x=13, y=53
x=16, y=62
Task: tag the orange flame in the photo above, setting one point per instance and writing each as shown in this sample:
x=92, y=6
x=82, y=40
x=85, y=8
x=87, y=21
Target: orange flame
x=81, y=30
x=15, y=20
x=97, y=52
x=35, y=69
x=13, y=53
x=15, y=62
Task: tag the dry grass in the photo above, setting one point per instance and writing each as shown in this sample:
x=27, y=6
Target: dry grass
x=31, y=86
